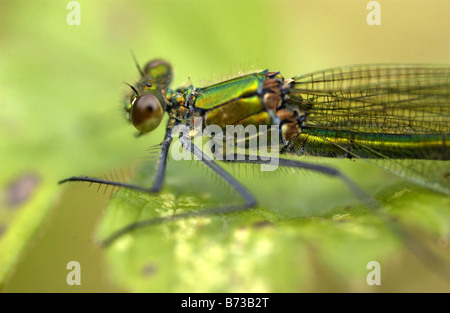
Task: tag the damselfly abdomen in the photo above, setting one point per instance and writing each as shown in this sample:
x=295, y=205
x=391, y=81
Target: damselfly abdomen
x=395, y=116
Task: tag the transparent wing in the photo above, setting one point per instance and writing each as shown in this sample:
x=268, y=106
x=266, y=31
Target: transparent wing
x=383, y=103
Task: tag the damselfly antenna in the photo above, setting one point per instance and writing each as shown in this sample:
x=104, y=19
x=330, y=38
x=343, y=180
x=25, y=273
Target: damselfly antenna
x=134, y=89
x=137, y=64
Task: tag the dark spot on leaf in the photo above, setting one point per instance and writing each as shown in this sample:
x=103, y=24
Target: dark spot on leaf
x=21, y=189
x=149, y=270
x=262, y=224
x=2, y=230
x=446, y=177
x=442, y=242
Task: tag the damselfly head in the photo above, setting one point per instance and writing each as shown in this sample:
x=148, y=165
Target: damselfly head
x=145, y=105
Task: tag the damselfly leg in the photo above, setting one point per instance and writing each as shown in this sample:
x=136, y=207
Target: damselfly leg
x=248, y=199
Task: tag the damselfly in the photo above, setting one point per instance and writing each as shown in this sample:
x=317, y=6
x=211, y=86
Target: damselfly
x=389, y=115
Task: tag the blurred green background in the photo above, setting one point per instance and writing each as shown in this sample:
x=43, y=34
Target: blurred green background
x=61, y=90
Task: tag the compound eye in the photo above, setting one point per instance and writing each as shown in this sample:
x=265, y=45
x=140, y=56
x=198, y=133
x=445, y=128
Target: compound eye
x=146, y=113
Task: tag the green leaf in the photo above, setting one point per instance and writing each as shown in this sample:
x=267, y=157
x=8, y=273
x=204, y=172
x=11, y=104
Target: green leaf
x=27, y=202
x=273, y=248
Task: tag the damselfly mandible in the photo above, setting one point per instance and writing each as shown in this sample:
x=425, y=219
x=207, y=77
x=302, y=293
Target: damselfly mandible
x=390, y=115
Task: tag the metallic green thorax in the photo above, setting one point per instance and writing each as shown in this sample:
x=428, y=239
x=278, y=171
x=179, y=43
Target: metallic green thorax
x=252, y=99
x=225, y=92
